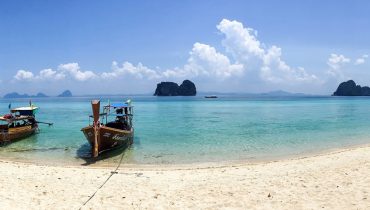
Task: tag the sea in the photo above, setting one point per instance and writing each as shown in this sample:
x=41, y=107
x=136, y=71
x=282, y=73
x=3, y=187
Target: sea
x=187, y=130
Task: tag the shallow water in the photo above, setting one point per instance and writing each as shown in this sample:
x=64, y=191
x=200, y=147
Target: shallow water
x=195, y=129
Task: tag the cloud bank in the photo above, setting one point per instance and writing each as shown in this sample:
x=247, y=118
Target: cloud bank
x=244, y=56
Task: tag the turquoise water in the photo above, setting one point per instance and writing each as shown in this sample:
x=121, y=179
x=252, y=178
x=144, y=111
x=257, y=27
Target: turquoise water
x=195, y=129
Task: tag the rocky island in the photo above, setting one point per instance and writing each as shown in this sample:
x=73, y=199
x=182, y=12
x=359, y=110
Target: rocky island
x=66, y=93
x=187, y=88
x=17, y=95
x=350, y=88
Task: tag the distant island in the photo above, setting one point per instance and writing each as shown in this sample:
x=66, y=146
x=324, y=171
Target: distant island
x=17, y=95
x=41, y=95
x=187, y=88
x=350, y=88
x=282, y=93
x=66, y=93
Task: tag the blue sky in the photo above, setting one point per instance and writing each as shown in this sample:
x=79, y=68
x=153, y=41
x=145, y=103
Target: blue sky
x=230, y=46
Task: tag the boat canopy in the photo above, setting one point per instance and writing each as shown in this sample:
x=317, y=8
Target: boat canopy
x=118, y=105
x=109, y=114
x=27, y=111
x=117, y=115
x=2, y=118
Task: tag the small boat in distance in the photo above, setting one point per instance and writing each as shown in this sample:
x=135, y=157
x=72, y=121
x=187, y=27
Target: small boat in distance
x=18, y=124
x=104, y=135
x=212, y=96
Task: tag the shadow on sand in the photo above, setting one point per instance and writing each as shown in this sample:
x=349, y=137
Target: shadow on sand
x=84, y=153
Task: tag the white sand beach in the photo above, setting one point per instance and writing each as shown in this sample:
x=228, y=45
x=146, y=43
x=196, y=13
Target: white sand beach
x=336, y=180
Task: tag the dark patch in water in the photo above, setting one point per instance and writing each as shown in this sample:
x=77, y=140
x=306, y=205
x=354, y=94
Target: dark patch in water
x=137, y=140
x=84, y=153
x=29, y=140
x=39, y=149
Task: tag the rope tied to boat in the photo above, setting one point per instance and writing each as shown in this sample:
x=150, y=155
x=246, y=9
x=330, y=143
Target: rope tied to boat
x=111, y=174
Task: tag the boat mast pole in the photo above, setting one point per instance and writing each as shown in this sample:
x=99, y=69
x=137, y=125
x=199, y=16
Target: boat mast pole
x=96, y=111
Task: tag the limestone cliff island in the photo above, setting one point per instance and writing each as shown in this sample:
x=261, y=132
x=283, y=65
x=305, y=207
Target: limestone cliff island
x=350, y=88
x=187, y=88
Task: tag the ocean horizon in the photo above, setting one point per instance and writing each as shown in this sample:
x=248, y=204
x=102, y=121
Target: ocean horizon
x=274, y=93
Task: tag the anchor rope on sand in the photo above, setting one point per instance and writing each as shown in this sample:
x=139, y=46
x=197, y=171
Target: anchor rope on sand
x=111, y=174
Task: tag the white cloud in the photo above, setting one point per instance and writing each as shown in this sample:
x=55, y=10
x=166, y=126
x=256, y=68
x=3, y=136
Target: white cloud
x=274, y=69
x=46, y=74
x=24, y=75
x=243, y=44
x=139, y=71
x=73, y=69
x=50, y=74
x=337, y=61
x=204, y=60
x=361, y=60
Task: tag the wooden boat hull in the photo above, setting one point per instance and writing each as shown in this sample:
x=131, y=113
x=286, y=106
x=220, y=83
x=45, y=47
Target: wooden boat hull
x=110, y=138
x=14, y=134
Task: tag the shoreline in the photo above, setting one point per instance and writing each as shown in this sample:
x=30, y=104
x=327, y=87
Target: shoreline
x=194, y=165
x=335, y=180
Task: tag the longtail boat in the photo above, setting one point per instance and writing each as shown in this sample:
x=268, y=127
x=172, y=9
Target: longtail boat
x=19, y=124
x=104, y=135
x=211, y=96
